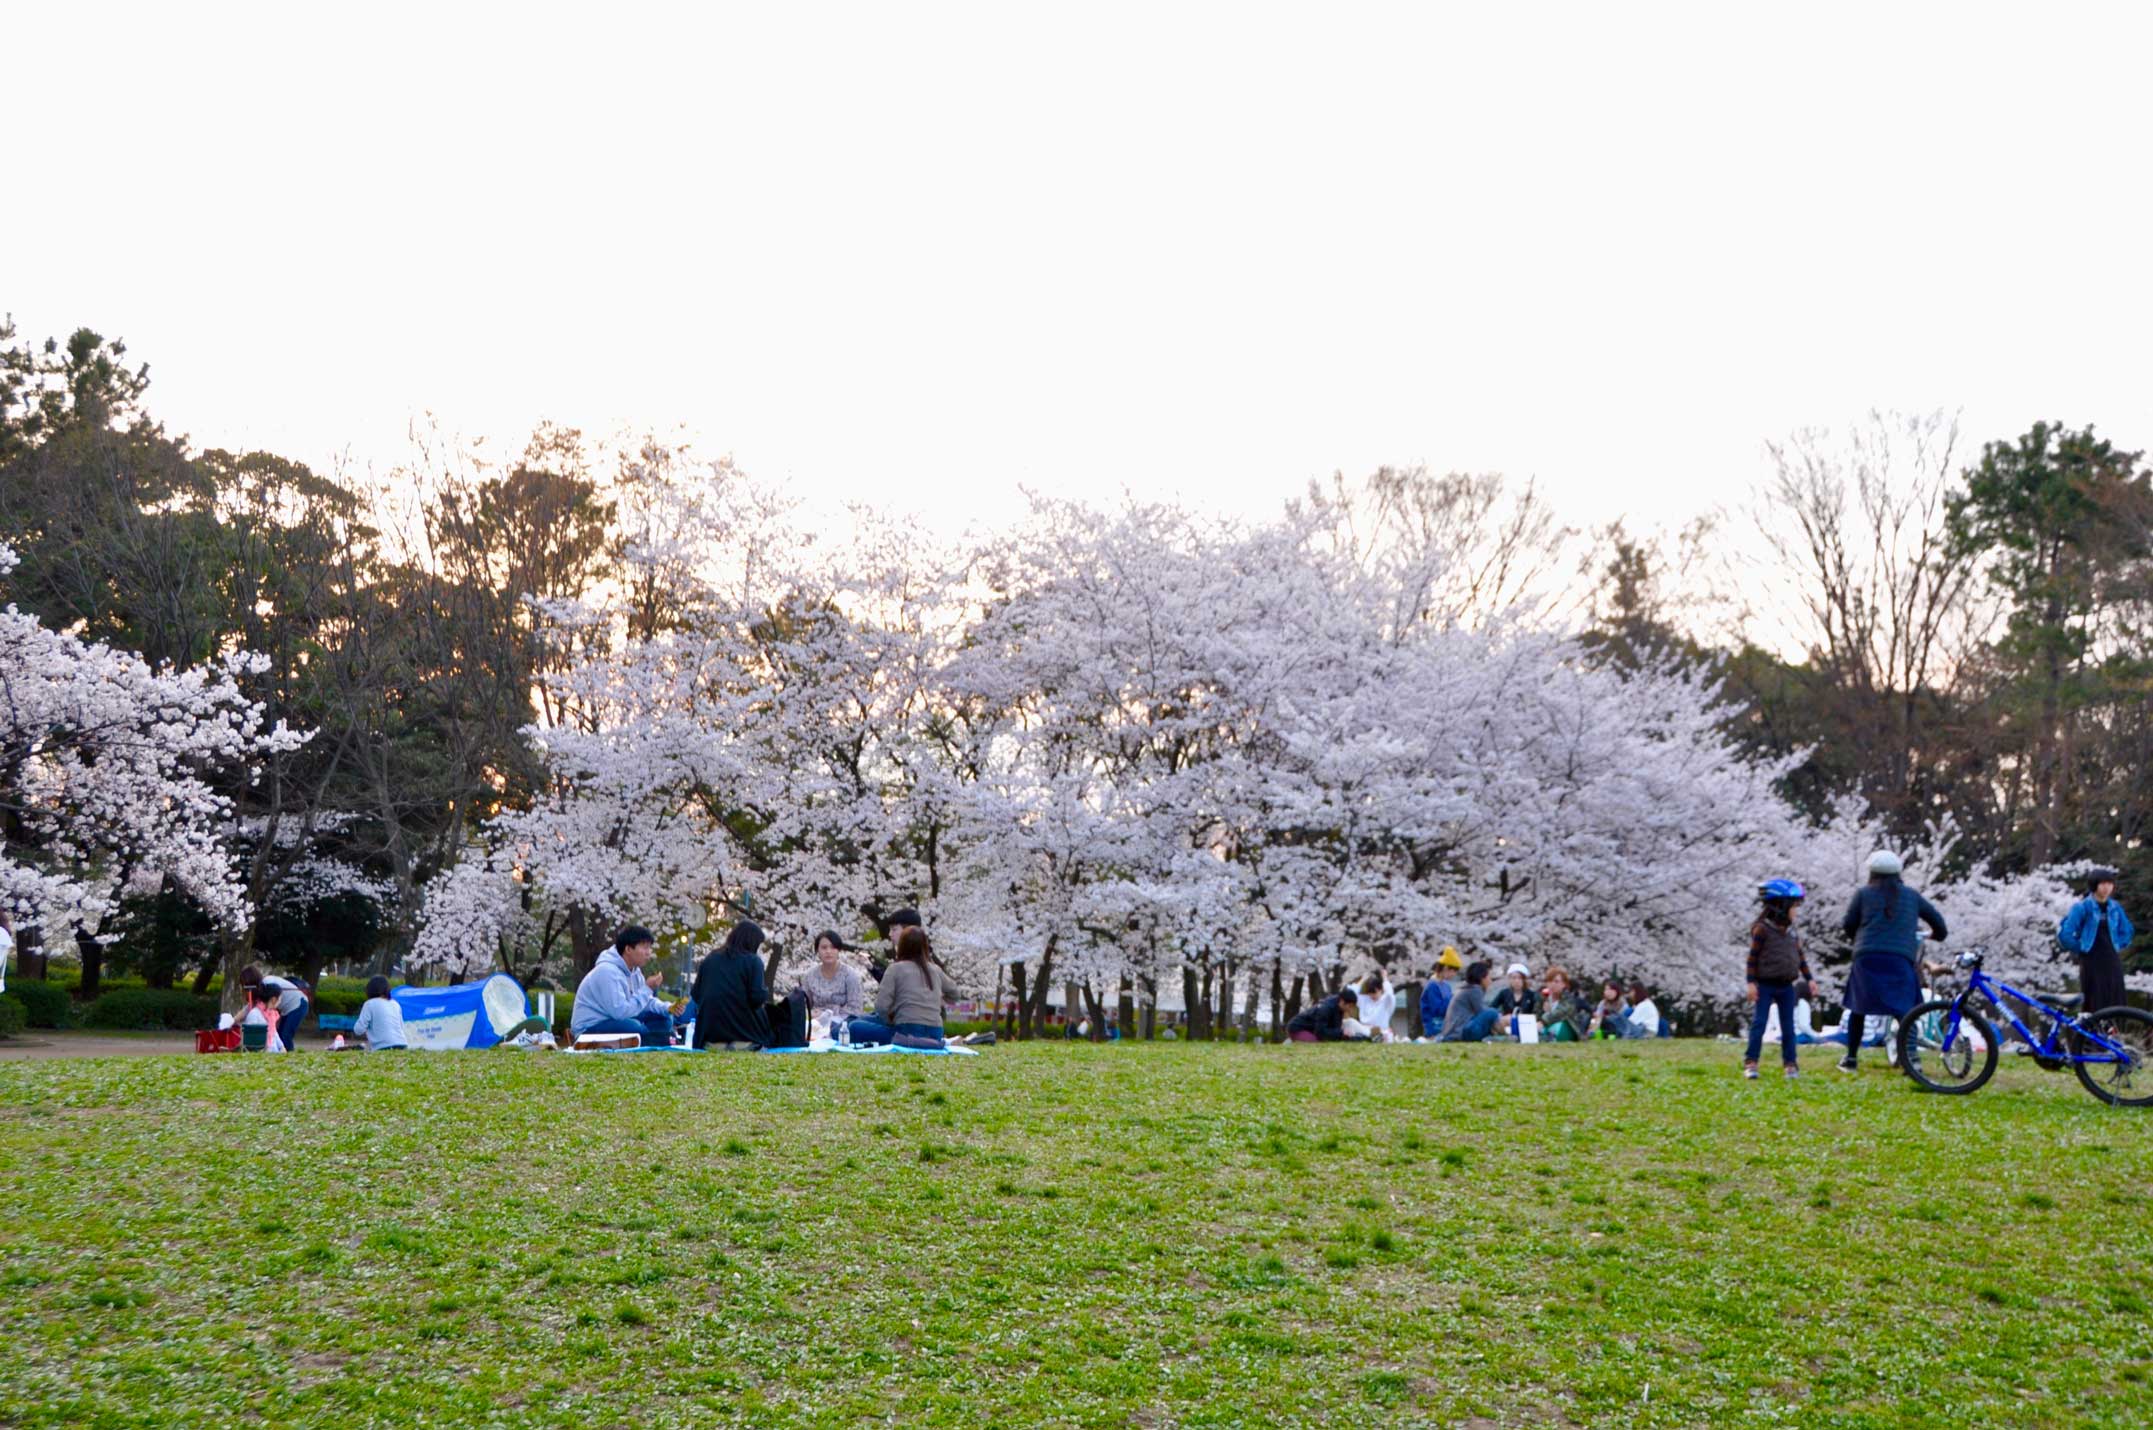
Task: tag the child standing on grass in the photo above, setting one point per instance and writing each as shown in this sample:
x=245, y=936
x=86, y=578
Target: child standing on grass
x=1778, y=968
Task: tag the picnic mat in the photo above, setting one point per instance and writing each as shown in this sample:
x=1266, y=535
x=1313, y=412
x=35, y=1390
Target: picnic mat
x=855, y=1049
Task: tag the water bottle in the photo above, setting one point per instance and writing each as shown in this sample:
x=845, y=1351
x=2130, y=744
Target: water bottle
x=844, y=1032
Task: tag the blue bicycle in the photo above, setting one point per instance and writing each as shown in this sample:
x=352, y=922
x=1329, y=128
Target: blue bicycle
x=1946, y=1045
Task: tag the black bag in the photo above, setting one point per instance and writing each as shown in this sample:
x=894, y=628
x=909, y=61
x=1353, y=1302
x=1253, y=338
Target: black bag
x=788, y=1022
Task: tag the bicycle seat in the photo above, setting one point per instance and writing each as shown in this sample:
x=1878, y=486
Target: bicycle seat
x=2068, y=1002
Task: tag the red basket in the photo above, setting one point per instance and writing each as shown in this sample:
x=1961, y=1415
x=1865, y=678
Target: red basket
x=217, y=1040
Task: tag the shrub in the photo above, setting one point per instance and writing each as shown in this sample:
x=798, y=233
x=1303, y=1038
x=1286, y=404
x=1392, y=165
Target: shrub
x=47, y=1004
x=12, y=1017
x=151, y=1008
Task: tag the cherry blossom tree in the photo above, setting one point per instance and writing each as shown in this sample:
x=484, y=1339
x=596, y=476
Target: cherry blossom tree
x=103, y=776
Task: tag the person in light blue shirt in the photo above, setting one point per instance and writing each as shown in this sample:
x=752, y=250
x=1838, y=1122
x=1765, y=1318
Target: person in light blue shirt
x=614, y=998
x=380, y=1024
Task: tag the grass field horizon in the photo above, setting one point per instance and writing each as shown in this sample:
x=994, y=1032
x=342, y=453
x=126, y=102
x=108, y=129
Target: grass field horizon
x=1172, y=1234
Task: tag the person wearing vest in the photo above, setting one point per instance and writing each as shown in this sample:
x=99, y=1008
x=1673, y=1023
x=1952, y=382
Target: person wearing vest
x=1778, y=973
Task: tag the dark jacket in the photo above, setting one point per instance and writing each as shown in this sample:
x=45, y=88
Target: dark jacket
x=732, y=1004
x=1327, y=1020
x=1883, y=917
x=1509, y=1000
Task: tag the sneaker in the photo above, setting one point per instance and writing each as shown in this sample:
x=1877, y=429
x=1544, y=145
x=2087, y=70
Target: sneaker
x=1792, y=1071
x=1749, y=1070
x=1847, y=1065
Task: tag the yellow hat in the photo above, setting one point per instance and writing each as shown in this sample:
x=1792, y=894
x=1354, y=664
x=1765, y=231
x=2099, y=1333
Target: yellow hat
x=1450, y=959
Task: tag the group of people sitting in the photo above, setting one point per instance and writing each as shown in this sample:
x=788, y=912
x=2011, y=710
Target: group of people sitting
x=729, y=1006
x=1461, y=1010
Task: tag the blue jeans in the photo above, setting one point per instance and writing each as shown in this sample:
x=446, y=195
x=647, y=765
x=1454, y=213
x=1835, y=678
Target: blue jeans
x=656, y=1029
x=288, y=1026
x=1770, y=996
x=1476, y=1031
x=869, y=1032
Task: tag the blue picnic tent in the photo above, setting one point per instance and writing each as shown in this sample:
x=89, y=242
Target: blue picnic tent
x=462, y=1015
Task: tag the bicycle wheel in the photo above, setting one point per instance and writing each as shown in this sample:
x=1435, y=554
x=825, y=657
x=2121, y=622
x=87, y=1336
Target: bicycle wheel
x=2122, y=1083
x=1958, y=1066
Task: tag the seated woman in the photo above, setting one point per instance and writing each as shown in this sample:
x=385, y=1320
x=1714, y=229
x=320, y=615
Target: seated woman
x=908, y=1004
x=1379, y=1001
x=835, y=993
x=1325, y=1022
x=1563, y=1013
x=1516, y=996
x=732, y=1003
x=380, y=1024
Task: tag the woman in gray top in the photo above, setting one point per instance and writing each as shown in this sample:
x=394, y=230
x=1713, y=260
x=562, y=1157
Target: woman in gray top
x=908, y=1005
x=833, y=990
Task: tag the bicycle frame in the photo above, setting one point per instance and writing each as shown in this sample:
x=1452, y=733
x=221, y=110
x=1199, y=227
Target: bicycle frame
x=2060, y=1022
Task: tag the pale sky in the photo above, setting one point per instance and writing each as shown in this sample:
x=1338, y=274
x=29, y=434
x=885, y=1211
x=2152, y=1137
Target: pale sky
x=926, y=255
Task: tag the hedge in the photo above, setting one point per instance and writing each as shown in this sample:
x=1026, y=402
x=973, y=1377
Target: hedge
x=12, y=1017
x=151, y=1008
x=46, y=1003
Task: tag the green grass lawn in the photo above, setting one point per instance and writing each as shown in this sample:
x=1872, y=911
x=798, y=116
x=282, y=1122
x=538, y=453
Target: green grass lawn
x=1066, y=1234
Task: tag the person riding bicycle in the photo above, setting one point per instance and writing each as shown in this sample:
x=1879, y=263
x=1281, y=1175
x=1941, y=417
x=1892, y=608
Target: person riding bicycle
x=1883, y=919
x=1778, y=969
x=2097, y=930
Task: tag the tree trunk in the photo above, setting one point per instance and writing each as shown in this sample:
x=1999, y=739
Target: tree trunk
x=586, y=945
x=1125, y=1011
x=1247, y=1032
x=1411, y=994
x=1222, y=1021
x=1278, y=1006
x=1023, y=1012
x=1190, y=1001
x=238, y=953
x=1095, y=1013
x=93, y=964
x=1151, y=1007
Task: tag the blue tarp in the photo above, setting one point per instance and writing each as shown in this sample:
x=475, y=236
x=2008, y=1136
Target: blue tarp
x=820, y=1048
x=463, y=1015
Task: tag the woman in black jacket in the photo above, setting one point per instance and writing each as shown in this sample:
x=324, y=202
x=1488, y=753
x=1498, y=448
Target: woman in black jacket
x=1325, y=1022
x=732, y=1004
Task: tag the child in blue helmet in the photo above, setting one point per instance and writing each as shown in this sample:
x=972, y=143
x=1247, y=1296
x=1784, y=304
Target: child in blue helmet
x=1778, y=973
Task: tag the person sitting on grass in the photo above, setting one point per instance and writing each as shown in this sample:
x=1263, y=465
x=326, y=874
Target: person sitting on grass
x=732, y=1002
x=1562, y=1010
x=290, y=998
x=1470, y=1019
x=1325, y=1022
x=1612, y=1013
x=1516, y=995
x=1379, y=1003
x=833, y=990
x=613, y=998
x=1645, y=1020
x=908, y=1004
x=379, y=1027
x=1435, y=998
